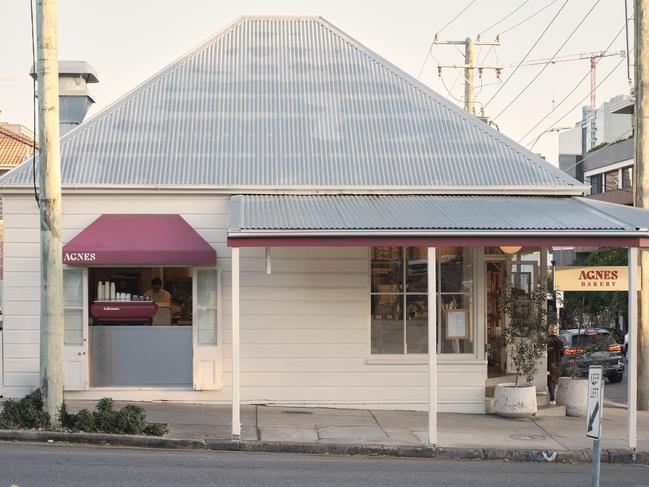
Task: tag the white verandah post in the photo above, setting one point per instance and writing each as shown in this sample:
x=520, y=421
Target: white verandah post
x=236, y=393
x=432, y=346
x=632, y=348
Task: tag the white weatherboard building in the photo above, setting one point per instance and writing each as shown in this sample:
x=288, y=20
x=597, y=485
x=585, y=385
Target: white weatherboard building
x=319, y=220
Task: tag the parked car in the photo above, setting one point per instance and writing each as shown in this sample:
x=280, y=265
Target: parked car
x=592, y=346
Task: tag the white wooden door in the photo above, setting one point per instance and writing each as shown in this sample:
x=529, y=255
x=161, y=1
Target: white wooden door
x=206, y=329
x=75, y=315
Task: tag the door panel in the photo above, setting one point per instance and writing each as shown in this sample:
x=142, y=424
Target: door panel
x=207, y=356
x=75, y=317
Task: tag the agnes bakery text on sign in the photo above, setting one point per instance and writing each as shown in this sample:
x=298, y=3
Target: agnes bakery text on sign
x=79, y=257
x=601, y=278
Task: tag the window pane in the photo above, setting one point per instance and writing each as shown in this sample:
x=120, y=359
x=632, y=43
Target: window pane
x=457, y=309
x=596, y=184
x=612, y=180
x=627, y=177
x=207, y=326
x=73, y=327
x=455, y=269
x=387, y=269
x=417, y=272
x=206, y=319
x=417, y=324
x=72, y=288
x=387, y=324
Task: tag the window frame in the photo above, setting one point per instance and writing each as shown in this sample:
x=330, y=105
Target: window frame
x=403, y=294
x=477, y=259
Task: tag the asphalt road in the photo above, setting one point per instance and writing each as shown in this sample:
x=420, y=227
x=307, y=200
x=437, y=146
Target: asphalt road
x=617, y=392
x=25, y=465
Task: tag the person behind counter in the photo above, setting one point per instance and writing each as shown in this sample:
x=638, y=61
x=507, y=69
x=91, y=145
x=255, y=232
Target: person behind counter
x=156, y=293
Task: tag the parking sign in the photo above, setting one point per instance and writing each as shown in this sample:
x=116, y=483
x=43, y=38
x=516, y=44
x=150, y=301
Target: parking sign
x=595, y=402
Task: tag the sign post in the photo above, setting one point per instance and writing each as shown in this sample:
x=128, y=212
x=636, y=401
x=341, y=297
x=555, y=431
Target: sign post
x=594, y=416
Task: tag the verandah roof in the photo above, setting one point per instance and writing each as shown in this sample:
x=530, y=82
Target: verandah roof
x=364, y=220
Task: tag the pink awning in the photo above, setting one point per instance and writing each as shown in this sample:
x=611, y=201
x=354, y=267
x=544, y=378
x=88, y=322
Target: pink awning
x=139, y=240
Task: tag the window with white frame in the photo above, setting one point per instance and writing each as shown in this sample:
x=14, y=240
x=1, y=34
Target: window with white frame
x=399, y=300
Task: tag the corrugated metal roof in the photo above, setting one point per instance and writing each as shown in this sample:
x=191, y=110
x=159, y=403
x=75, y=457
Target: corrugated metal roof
x=254, y=214
x=292, y=102
x=14, y=148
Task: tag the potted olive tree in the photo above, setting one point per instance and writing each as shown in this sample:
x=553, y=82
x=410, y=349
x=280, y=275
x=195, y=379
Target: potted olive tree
x=572, y=388
x=525, y=337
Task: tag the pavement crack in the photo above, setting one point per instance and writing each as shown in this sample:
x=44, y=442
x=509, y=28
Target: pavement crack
x=549, y=435
x=378, y=424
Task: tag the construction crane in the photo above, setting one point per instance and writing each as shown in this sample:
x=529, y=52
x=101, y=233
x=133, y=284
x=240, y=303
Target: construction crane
x=594, y=59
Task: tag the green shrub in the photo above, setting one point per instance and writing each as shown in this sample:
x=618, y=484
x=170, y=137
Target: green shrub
x=105, y=416
x=26, y=413
x=84, y=420
x=155, y=429
x=130, y=420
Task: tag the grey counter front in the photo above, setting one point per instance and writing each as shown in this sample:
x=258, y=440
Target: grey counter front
x=147, y=356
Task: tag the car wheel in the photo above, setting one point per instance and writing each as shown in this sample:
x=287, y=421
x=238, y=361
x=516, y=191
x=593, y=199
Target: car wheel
x=616, y=378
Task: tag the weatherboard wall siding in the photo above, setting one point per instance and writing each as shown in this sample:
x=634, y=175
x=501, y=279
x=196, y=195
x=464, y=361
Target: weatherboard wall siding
x=304, y=327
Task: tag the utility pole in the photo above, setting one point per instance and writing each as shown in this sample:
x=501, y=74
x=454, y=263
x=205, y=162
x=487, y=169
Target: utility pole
x=641, y=21
x=470, y=66
x=49, y=172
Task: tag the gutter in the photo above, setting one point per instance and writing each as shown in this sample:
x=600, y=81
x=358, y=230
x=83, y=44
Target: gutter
x=435, y=233
x=310, y=190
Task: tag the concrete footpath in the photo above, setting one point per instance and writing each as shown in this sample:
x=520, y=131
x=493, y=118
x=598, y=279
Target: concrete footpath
x=353, y=431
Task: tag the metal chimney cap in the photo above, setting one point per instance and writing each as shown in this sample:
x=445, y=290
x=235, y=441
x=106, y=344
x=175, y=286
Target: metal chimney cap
x=73, y=68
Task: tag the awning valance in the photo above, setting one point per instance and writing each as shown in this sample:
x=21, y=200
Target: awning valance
x=139, y=240
x=432, y=220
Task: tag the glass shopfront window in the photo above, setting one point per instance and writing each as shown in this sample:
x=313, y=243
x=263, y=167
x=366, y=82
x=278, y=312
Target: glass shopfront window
x=399, y=301
x=140, y=326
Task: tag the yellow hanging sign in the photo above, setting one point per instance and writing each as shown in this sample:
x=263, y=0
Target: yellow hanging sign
x=595, y=278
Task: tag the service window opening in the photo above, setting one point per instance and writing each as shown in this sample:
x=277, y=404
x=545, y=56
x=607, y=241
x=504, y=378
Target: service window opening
x=140, y=326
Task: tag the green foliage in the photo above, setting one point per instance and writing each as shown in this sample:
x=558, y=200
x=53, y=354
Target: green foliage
x=155, y=429
x=527, y=333
x=587, y=347
x=129, y=420
x=596, y=308
x=26, y=413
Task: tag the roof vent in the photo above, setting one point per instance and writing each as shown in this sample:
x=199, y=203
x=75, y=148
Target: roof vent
x=74, y=96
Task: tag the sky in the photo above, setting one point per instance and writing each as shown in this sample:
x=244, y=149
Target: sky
x=127, y=41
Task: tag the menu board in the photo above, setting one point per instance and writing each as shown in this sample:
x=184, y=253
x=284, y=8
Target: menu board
x=456, y=326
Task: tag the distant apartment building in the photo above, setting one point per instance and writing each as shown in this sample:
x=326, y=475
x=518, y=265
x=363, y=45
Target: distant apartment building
x=605, y=163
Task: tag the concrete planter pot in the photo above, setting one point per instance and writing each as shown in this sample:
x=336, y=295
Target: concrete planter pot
x=573, y=393
x=515, y=402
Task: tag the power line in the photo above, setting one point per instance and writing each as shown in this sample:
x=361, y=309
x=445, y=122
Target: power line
x=530, y=17
x=505, y=17
x=520, y=93
x=584, y=98
x=449, y=91
x=573, y=89
x=455, y=18
x=430, y=49
x=528, y=53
